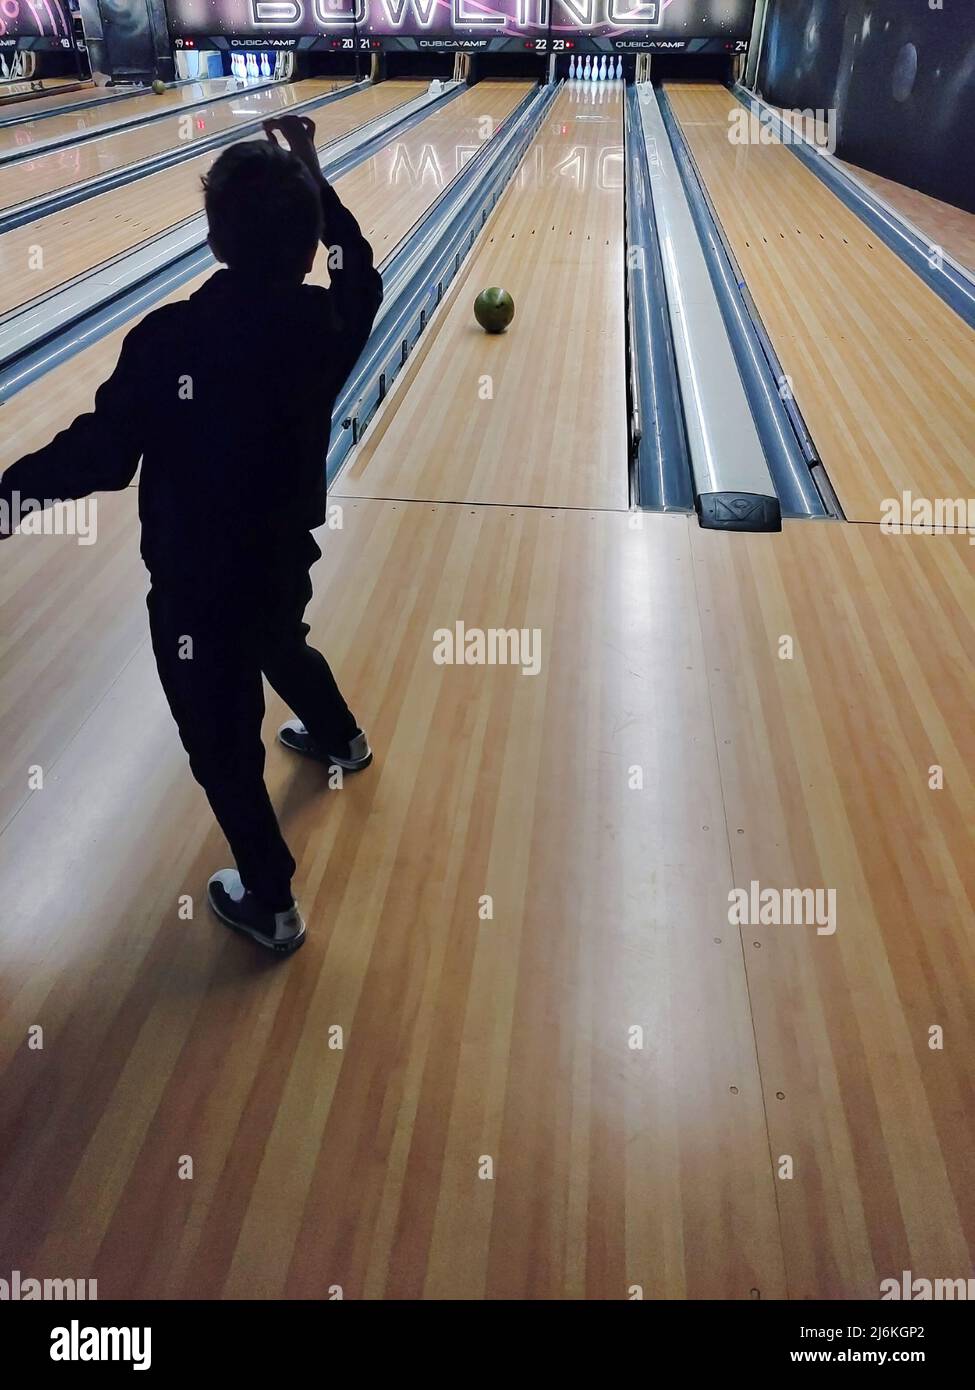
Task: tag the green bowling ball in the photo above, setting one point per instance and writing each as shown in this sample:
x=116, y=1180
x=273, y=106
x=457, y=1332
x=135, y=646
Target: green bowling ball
x=494, y=309
x=158, y=87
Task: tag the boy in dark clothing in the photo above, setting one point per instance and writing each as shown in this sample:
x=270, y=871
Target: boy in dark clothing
x=227, y=397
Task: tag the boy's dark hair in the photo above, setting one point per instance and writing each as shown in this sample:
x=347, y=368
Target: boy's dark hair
x=263, y=209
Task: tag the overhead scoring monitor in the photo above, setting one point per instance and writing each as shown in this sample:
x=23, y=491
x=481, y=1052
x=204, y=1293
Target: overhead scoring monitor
x=475, y=25
x=34, y=24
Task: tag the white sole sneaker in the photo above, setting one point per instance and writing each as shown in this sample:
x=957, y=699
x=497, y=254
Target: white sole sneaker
x=279, y=932
x=295, y=736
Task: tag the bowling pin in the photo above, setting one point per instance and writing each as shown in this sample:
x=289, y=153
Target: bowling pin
x=572, y=68
x=265, y=65
x=585, y=70
x=602, y=69
x=619, y=68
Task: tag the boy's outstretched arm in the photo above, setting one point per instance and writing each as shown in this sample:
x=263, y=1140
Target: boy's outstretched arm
x=356, y=286
x=98, y=452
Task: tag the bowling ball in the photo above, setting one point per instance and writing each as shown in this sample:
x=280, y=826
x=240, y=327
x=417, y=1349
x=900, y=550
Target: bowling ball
x=494, y=309
x=158, y=87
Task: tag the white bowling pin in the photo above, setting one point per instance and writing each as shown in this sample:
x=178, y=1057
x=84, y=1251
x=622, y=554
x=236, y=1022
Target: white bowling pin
x=585, y=70
x=265, y=65
x=619, y=68
x=603, y=74
x=572, y=68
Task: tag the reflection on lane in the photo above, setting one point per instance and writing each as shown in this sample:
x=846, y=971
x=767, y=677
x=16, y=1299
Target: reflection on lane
x=110, y=112
x=97, y=154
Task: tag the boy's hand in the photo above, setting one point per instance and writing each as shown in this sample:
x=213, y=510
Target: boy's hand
x=299, y=135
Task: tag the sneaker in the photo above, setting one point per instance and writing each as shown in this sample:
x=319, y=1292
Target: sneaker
x=280, y=932
x=353, y=757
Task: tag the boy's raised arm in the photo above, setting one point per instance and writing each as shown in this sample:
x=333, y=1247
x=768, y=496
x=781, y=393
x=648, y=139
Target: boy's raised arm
x=356, y=286
x=98, y=452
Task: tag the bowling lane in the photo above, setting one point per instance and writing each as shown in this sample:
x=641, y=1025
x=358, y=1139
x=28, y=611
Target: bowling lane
x=110, y=111
x=393, y=189
x=389, y=192
x=882, y=370
x=535, y=416
x=615, y=1163
x=25, y=179
x=825, y=783
x=89, y=233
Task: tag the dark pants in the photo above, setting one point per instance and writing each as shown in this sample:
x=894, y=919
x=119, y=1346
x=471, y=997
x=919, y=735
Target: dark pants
x=212, y=643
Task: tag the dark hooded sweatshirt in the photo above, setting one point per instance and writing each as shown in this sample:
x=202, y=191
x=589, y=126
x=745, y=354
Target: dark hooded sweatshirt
x=227, y=398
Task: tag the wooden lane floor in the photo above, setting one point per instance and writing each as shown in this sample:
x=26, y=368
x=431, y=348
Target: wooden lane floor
x=388, y=193
x=106, y=113
x=47, y=172
x=536, y=416
x=590, y=1037
x=78, y=238
x=883, y=371
x=664, y=755
x=829, y=753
